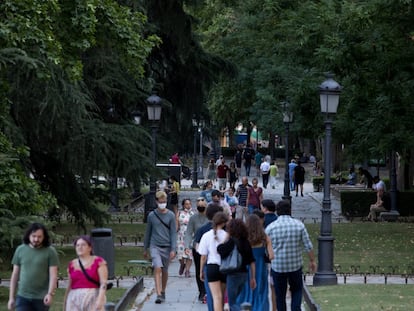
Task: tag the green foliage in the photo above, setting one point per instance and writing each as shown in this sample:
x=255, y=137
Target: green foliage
x=357, y=203
x=282, y=49
x=19, y=194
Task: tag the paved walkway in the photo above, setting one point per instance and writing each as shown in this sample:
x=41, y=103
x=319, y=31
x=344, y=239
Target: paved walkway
x=181, y=293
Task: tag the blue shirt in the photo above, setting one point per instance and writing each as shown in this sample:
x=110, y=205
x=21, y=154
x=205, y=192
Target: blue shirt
x=289, y=236
x=269, y=218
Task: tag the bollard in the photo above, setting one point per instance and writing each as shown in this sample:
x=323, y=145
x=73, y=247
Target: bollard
x=110, y=306
x=246, y=306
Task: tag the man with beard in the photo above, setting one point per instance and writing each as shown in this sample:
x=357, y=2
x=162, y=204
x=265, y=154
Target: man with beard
x=35, y=268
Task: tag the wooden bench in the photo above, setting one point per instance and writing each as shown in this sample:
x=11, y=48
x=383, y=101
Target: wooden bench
x=145, y=265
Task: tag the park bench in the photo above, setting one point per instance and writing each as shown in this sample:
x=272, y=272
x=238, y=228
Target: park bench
x=389, y=216
x=338, y=188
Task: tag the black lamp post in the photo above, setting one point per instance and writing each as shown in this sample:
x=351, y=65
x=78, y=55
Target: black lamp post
x=200, y=130
x=195, y=177
x=329, y=92
x=393, y=188
x=154, y=115
x=136, y=117
x=287, y=119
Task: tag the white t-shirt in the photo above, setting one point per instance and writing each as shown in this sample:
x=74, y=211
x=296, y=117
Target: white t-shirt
x=379, y=185
x=265, y=167
x=208, y=245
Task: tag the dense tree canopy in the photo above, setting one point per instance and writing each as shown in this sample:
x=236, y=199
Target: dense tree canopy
x=282, y=50
x=72, y=72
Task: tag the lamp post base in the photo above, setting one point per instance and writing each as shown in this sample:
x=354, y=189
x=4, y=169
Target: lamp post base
x=325, y=278
x=287, y=197
x=194, y=183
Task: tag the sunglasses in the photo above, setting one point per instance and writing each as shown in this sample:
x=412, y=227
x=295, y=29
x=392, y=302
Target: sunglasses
x=200, y=199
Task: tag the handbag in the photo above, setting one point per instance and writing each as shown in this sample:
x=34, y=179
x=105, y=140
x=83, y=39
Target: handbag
x=108, y=285
x=231, y=263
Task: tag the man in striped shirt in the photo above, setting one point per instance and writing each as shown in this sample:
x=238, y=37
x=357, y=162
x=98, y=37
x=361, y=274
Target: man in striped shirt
x=289, y=236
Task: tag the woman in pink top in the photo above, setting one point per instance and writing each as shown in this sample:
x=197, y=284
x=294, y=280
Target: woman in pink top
x=86, y=293
x=254, y=196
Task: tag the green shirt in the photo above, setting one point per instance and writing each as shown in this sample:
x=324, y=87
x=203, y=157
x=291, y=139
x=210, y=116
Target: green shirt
x=34, y=266
x=273, y=170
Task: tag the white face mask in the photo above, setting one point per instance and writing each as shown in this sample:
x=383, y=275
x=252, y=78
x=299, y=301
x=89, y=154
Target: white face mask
x=162, y=205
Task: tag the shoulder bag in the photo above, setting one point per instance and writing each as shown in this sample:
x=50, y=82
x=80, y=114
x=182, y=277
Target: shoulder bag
x=108, y=285
x=232, y=263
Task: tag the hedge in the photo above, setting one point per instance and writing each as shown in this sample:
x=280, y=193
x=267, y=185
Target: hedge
x=356, y=204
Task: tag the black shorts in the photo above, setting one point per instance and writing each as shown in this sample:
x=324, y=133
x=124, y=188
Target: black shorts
x=214, y=274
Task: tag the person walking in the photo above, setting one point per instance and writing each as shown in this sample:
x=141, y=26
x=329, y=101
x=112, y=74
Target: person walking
x=291, y=168
x=248, y=154
x=258, y=160
x=273, y=174
x=174, y=192
x=211, y=211
x=241, y=194
x=265, y=171
x=261, y=245
x=207, y=191
x=223, y=172
x=233, y=174
x=235, y=281
x=289, y=236
x=87, y=281
x=183, y=218
x=161, y=239
x=35, y=265
x=238, y=161
x=211, y=170
x=254, y=196
x=196, y=222
x=299, y=178
x=209, y=255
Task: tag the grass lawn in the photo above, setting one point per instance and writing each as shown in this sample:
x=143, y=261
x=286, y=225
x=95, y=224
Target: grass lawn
x=364, y=246
x=364, y=297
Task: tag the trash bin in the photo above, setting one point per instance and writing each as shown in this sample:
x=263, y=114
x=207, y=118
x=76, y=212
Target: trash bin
x=150, y=204
x=103, y=245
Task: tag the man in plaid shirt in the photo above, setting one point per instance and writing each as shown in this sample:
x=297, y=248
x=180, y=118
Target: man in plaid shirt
x=289, y=236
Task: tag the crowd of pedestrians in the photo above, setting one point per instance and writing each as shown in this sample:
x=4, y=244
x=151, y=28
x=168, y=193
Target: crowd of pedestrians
x=229, y=217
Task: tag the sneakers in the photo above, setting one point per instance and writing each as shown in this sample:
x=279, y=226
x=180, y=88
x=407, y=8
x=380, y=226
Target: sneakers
x=160, y=298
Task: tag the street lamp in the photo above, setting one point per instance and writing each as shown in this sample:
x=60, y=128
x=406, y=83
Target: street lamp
x=136, y=117
x=329, y=92
x=154, y=115
x=287, y=119
x=195, y=178
x=200, y=130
